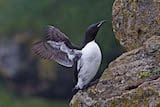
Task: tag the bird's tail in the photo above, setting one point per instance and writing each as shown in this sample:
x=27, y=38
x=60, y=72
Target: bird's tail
x=75, y=90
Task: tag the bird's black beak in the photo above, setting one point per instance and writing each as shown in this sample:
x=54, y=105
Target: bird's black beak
x=99, y=24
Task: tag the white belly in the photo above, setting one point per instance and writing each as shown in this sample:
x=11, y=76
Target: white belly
x=88, y=63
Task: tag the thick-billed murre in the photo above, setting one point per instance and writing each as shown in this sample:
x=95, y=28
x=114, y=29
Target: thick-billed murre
x=57, y=46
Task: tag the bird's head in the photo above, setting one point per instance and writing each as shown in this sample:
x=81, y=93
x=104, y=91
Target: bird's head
x=92, y=30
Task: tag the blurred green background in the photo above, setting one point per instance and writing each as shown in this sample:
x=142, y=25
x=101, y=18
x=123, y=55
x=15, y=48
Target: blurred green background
x=26, y=80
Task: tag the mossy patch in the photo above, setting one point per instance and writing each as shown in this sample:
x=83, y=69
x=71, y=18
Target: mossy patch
x=145, y=74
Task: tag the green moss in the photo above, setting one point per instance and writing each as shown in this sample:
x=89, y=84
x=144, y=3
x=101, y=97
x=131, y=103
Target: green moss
x=145, y=74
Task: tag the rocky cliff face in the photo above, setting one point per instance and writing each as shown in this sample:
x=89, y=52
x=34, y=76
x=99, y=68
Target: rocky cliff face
x=134, y=21
x=133, y=79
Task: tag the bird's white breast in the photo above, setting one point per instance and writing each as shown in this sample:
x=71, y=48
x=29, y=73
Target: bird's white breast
x=88, y=63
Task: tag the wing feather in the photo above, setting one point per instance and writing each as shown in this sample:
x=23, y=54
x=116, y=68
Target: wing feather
x=55, y=47
x=54, y=34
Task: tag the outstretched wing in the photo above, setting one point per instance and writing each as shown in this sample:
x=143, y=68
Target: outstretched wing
x=56, y=46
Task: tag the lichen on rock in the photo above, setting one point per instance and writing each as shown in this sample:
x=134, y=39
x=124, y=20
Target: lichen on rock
x=121, y=84
x=133, y=79
x=134, y=21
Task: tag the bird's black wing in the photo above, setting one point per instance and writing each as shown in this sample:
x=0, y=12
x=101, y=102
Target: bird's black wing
x=56, y=46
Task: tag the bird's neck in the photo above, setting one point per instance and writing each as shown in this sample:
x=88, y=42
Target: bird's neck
x=87, y=39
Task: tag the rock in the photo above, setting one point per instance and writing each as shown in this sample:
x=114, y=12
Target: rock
x=132, y=80
x=134, y=21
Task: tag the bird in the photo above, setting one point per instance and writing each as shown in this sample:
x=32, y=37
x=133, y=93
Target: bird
x=87, y=57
